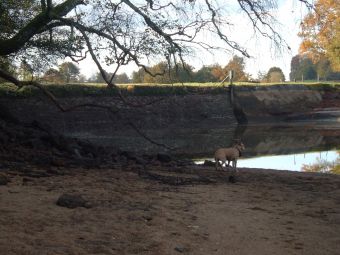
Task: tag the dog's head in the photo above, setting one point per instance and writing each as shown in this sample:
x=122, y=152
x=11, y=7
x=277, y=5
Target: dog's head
x=239, y=145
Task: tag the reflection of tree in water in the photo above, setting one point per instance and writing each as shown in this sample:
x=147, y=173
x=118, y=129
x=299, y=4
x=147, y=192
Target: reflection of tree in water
x=324, y=166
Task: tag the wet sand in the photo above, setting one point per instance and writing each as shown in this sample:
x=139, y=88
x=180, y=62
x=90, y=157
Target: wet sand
x=264, y=212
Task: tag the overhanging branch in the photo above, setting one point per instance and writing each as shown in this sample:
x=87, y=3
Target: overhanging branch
x=14, y=44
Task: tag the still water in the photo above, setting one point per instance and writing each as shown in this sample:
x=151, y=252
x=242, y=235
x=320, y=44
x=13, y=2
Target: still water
x=326, y=160
x=296, y=147
x=294, y=162
x=288, y=146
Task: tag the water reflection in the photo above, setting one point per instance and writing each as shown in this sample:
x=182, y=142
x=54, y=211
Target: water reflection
x=288, y=139
x=325, y=162
x=294, y=146
x=324, y=165
x=200, y=139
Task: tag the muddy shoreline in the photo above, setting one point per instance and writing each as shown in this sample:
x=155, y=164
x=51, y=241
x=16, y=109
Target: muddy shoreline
x=264, y=212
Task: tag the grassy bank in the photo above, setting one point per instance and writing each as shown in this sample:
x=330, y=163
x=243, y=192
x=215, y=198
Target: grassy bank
x=95, y=89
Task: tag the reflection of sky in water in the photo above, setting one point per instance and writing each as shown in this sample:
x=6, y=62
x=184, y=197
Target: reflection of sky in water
x=292, y=162
x=287, y=162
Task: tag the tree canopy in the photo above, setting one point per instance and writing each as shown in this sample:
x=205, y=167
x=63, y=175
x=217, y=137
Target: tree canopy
x=303, y=68
x=119, y=32
x=275, y=74
x=320, y=32
x=186, y=73
x=66, y=72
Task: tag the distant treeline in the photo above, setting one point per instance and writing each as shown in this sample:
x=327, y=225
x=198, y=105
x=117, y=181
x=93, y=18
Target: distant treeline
x=162, y=73
x=304, y=68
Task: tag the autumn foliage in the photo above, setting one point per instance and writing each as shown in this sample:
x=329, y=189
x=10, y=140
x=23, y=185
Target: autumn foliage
x=320, y=32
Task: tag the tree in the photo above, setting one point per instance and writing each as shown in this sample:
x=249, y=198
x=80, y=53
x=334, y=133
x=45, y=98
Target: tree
x=294, y=68
x=218, y=72
x=162, y=73
x=206, y=74
x=82, y=78
x=323, y=68
x=26, y=72
x=261, y=76
x=302, y=68
x=138, y=77
x=118, y=78
x=275, y=74
x=122, y=78
x=159, y=73
x=119, y=32
x=307, y=69
x=237, y=65
x=53, y=75
x=320, y=32
x=69, y=71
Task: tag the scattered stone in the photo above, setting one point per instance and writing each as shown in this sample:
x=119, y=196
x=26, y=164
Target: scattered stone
x=57, y=162
x=77, y=153
x=36, y=174
x=3, y=138
x=232, y=179
x=55, y=172
x=181, y=249
x=128, y=155
x=147, y=218
x=164, y=158
x=155, y=163
x=25, y=180
x=43, y=160
x=35, y=143
x=171, y=164
x=3, y=179
x=72, y=201
x=141, y=161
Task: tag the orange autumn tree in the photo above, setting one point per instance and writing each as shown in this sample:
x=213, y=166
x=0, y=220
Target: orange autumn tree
x=320, y=32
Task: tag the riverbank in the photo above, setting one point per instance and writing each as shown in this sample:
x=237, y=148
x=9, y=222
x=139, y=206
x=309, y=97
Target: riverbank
x=190, y=119
x=134, y=210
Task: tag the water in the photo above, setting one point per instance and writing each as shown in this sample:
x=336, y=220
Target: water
x=296, y=147
x=286, y=146
x=294, y=162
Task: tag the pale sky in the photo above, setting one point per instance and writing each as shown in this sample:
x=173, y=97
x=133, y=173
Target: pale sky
x=263, y=54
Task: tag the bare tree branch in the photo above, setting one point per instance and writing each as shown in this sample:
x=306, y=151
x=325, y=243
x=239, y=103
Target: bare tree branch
x=257, y=13
x=232, y=44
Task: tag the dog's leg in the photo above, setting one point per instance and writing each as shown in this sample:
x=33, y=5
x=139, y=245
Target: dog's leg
x=222, y=163
x=232, y=177
x=235, y=166
x=216, y=163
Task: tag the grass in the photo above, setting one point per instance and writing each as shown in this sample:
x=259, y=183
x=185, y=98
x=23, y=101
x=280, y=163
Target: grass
x=88, y=89
x=97, y=89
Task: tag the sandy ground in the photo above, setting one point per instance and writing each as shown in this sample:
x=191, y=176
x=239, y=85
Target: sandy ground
x=265, y=212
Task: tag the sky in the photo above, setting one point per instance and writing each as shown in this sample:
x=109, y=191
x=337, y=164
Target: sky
x=263, y=54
